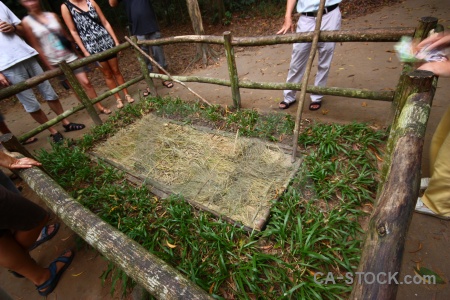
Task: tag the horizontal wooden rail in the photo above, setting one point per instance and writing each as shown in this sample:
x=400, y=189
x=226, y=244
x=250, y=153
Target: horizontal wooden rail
x=32, y=82
x=150, y=272
x=75, y=109
x=334, y=91
x=364, y=35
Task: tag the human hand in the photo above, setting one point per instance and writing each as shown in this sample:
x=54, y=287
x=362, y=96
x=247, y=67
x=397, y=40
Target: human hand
x=287, y=25
x=23, y=163
x=3, y=80
x=435, y=41
x=6, y=27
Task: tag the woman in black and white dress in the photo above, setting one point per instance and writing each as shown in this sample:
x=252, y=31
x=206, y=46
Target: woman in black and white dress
x=93, y=34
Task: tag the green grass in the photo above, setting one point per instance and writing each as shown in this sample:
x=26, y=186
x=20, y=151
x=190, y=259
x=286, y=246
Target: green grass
x=313, y=226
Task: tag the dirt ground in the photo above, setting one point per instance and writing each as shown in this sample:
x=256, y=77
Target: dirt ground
x=371, y=66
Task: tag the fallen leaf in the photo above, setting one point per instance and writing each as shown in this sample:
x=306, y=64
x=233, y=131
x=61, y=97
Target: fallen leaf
x=170, y=245
x=426, y=274
x=75, y=275
x=325, y=111
x=364, y=104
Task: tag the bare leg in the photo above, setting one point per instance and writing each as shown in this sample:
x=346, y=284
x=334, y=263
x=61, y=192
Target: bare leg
x=58, y=109
x=114, y=65
x=41, y=118
x=89, y=89
x=109, y=76
x=15, y=258
x=27, y=238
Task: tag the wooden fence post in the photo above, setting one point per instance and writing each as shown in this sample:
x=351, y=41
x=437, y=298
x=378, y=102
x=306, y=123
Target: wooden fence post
x=144, y=68
x=421, y=32
x=232, y=70
x=80, y=93
x=385, y=238
x=12, y=144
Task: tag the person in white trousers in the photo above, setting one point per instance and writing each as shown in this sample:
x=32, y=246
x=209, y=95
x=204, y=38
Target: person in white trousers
x=331, y=20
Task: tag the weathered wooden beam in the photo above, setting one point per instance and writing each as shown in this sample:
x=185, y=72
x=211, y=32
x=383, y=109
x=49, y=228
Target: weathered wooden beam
x=421, y=32
x=385, y=237
x=334, y=91
x=80, y=93
x=359, y=35
x=150, y=272
x=75, y=109
x=305, y=78
x=232, y=70
x=144, y=68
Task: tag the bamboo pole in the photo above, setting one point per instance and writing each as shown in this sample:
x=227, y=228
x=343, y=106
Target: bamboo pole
x=80, y=93
x=150, y=272
x=306, y=78
x=165, y=72
x=232, y=70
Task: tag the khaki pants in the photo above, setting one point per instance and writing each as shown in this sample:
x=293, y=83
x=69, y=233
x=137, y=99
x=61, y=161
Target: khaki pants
x=437, y=195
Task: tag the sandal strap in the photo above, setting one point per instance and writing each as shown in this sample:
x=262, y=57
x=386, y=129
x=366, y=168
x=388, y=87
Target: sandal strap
x=73, y=126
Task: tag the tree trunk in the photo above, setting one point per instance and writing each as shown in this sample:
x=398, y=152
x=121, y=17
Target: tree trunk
x=203, y=50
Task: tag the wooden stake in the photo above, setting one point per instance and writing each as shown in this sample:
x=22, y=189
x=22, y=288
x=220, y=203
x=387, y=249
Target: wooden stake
x=306, y=77
x=165, y=72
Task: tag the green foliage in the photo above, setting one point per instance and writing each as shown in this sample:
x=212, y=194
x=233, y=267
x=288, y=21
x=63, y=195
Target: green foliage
x=227, y=18
x=303, y=236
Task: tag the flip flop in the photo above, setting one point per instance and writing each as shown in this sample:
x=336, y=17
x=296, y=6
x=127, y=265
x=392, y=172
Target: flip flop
x=146, y=92
x=31, y=140
x=168, y=84
x=45, y=236
x=55, y=275
x=105, y=111
x=312, y=104
x=286, y=104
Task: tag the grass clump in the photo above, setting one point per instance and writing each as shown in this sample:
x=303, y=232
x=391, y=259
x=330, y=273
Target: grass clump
x=313, y=225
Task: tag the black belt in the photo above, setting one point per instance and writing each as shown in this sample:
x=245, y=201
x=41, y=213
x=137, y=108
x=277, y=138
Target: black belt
x=325, y=11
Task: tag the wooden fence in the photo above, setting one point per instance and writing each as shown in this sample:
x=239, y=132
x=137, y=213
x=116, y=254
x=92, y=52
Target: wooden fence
x=395, y=202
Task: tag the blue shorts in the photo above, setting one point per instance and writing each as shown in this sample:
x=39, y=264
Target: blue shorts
x=23, y=71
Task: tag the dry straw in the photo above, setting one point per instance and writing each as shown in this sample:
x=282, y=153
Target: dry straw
x=233, y=176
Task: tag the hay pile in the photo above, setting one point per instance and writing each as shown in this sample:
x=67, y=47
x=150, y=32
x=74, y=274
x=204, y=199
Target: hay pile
x=233, y=176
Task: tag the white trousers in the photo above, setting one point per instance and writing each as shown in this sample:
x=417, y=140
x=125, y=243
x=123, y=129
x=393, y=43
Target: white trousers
x=300, y=53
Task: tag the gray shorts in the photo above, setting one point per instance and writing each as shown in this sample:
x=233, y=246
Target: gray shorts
x=23, y=71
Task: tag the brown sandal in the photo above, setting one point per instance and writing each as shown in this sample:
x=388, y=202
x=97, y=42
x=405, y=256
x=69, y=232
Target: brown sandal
x=129, y=98
x=146, y=92
x=119, y=103
x=105, y=111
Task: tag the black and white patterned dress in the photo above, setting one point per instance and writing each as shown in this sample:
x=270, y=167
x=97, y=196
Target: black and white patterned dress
x=94, y=36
